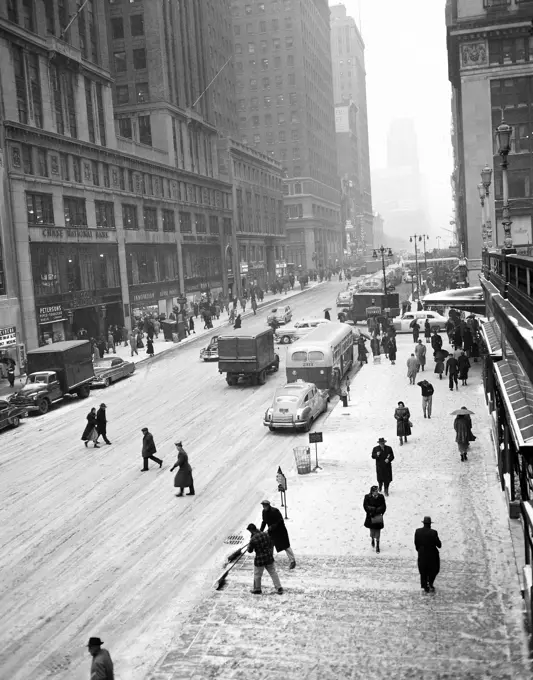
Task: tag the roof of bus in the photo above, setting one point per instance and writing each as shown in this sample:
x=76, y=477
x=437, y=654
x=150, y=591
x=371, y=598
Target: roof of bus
x=329, y=333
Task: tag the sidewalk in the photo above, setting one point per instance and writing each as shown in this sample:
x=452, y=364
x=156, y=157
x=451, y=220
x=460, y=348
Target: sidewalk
x=161, y=345
x=348, y=612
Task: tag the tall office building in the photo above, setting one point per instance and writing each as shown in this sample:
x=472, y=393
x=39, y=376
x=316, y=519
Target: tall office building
x=285, y=106
x=349, y=88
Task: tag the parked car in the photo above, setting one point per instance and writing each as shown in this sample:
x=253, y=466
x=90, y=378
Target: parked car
x=108, y=370
x=344, y=298
x=10, y=414
x=210, y=353
x=408, y=277
x=282, y=314
x=402, y=324
x=289, y=334
x=296, y=406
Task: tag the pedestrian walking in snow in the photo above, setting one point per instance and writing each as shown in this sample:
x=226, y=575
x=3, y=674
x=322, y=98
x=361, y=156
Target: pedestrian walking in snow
x=191, y=325
x=375, y=347
x=436, y=341
x=439, y=357
x=392, y=349
x=427, y=544
x=463, y=428
x=415, y=328
x=427, y=397
x=361, y=351
x=11, y=375
x=101, y=423
x=420, y=353
x=375, y=506
x=101, y=665
x=150, y=347
x=403, y=422
x=183, y=476
x=383, y=455
x=133, y=344
x=327, y=315
x=449, y=327
x=277, y=531
x=254, y=305
x=385, y=345
x=452, y=370
x=427, y=331
x=90, y=433
x=463, y=366
x=125, y=336
x=149, y=450
x=238, y=322
x=264, y=559
x=412, y=368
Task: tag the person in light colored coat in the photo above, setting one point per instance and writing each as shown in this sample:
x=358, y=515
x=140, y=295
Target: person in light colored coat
x=420, y=353
x=412, y=369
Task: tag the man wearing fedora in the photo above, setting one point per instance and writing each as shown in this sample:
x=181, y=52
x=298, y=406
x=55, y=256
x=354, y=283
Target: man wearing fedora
x=101, y=423
x=101, y=666
x=427, y=544
x=277, y=531
x=148, y=450
x=383, y=455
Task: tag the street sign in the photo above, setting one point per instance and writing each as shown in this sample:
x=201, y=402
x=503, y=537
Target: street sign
x=281, y=480
x=315, y=438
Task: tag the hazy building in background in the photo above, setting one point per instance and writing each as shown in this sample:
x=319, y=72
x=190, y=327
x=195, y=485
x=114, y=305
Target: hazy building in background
x=349, y=89
x=286, y=109
x=398, y=191
x=490, y=58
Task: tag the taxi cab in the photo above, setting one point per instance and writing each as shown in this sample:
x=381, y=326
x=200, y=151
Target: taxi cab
x=282, y=314
x=296, y=406
x=289, y=334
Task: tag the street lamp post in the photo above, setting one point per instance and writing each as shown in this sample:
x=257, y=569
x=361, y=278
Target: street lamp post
x=504, y=132
x=383, y=250
x=412, y=239
x=425, y=256
x=486, y=176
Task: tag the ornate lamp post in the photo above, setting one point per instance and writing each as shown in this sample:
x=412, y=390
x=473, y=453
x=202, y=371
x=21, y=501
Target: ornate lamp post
x=486, y=177
x=383, y=250
x=414, y=239
x=504, y=132
x=424, y=237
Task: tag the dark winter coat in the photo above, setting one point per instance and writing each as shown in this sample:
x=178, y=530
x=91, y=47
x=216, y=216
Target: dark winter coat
x=183, y=476
x=463, y=366
x=427, y=544
x=402, y=415
x=91, y=425
x=468, y=339
x=436, y=342
x=374, y=346
x=101, y=421
x=149, y=346
x=361, y=351
x=148, y=445
x=427, y=329
x=383, y=468
x=374, y=506
x=392, y=349
x=238, y=322
x=276, y=528
x=451, y=366
x=463, y=428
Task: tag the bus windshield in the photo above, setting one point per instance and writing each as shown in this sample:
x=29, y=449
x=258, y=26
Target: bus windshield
x=299, y=356
x=315, y=356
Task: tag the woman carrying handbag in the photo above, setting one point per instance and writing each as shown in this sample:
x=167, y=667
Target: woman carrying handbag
x=375, y=507
x=403, y=422
x=90, y=433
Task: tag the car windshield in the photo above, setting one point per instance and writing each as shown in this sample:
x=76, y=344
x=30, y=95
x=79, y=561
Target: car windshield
x=37, y=378
x=286, y=398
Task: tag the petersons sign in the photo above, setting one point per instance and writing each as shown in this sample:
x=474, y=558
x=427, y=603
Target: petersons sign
x=8, y=336
x=50, y=314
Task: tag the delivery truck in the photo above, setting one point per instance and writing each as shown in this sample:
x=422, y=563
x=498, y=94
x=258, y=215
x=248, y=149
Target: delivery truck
x=247, y=356
x=365, y=305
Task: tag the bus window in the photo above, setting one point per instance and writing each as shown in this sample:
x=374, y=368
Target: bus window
x=314, y=356
x=299, y=356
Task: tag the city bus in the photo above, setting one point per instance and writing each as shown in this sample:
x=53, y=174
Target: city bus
x=323, y=357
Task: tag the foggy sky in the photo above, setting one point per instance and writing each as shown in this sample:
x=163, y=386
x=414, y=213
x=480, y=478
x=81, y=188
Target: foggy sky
x=406, y=65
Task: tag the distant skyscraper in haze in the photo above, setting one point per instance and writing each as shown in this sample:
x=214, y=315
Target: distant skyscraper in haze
x=402, y=149
x=349, y=90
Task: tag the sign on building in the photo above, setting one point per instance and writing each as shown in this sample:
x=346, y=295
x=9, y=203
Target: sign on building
x=8, y=336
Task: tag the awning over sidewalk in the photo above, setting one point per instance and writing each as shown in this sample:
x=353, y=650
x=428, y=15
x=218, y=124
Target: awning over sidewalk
x=490, y=336
x=469, y=299
x=518, y=411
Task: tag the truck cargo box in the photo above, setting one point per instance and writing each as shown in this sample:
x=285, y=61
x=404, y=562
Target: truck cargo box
x=72, y=359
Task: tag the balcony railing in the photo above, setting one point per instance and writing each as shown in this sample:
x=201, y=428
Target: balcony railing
x=512, y=275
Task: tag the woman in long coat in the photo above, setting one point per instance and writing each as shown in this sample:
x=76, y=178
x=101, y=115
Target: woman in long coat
x=463, y=427
x=183, y=477
x=150, y=347
x=463, y=364
x=468, y=340
x=392, y=350
x=439, y=357
x=427, y=331
x=361, y=351
x=90, y=433
x=403, y=423
x=375, y=346
x=375, y=506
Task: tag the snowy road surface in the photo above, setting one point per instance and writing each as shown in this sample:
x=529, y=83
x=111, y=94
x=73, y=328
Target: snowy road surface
x=90, y=546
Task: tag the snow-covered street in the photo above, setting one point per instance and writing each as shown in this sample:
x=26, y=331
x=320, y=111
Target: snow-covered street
x=90, y=546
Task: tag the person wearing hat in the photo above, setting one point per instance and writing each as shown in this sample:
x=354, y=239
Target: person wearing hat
x=264, y=559
x=427, y=397
x=277, y=531
x=383, y=455
x=102, y=665
x=375, y=506
x=101, y=423
x=183, y=476
x=148, y=450
x=427, y=544
x=463, y=428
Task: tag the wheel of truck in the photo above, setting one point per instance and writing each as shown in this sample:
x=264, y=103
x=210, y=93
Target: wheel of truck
x=43, y=405
x=231, y=379
x=84, y=392
x=285, y=339
x=107, y=382
x=261, y=378
x=15, y=422
x=254, y=379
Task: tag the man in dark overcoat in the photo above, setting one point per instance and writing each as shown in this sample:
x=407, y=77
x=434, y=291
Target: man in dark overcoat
x=101, y=423
x=427, y=544
x=277, y=531
x=452, y=371
x=383, y=455
x=148, y=450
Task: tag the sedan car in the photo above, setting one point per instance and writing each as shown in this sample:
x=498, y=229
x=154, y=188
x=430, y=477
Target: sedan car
x=282, y=314
x=296, y=406
x=344, y=298
x=10, y=414
x=402, y=324
x=110, y=369
x=289, y=334
x=210, y=353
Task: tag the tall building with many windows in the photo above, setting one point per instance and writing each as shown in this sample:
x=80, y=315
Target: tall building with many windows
x=349, y=89
x=285, y=107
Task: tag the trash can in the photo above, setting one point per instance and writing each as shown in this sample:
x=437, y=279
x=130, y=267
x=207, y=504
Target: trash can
x=302, y=456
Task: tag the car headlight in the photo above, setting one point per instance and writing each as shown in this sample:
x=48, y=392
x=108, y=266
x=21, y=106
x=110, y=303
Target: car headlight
x=34, y=397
